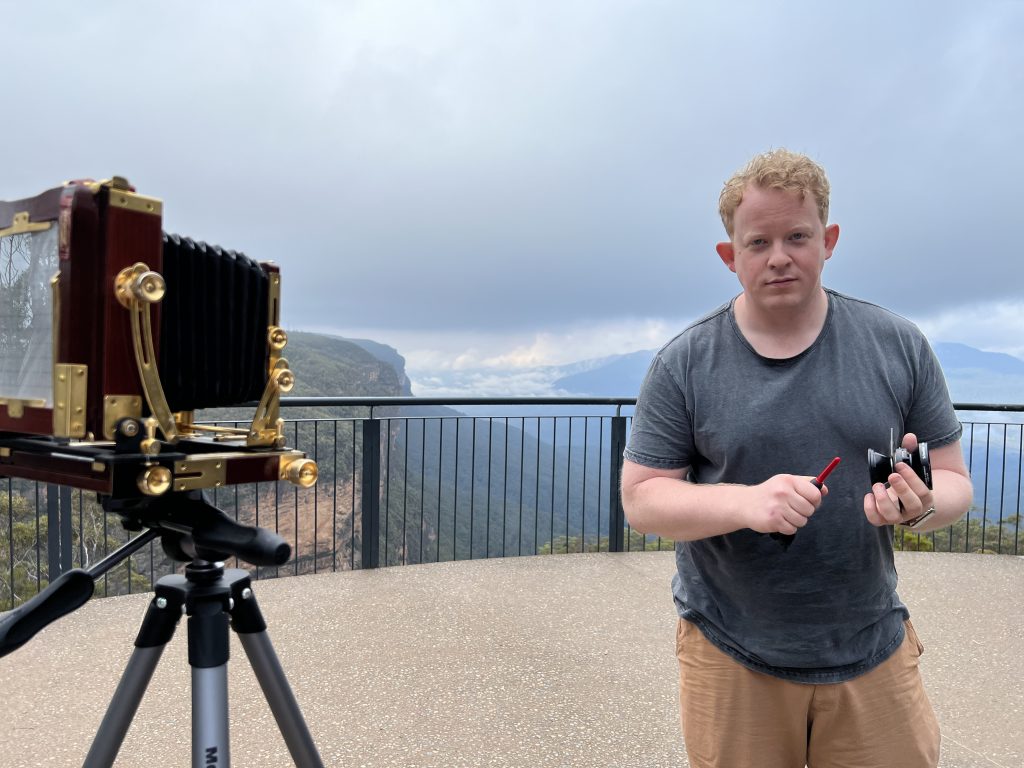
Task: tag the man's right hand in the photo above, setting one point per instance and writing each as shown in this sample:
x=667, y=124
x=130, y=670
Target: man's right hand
x=783, y=503
x=661, y=502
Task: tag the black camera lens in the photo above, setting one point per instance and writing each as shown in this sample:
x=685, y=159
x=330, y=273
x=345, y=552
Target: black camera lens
x=881, y=465
x=922, y=464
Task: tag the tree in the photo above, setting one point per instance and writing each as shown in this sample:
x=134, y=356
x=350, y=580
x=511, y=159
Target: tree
x=22, y=570
x=24, y=567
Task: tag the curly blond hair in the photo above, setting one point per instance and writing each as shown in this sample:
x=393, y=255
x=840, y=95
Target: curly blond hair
x=775, y=169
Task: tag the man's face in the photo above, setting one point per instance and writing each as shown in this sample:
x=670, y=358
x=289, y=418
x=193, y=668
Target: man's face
x=778, y=249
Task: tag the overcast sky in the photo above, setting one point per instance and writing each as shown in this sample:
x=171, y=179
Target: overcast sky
x=502, y=183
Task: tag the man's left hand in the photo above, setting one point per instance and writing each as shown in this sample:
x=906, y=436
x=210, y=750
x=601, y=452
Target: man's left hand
x=882, y=505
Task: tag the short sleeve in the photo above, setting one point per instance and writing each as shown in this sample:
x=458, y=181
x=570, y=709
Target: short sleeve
x=932, y=417
x=661, y=436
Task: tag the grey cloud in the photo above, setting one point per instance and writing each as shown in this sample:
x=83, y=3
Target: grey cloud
x=532, y=164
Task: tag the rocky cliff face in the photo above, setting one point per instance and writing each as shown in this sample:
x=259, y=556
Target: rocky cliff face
x=330, y=366
x=388, y=355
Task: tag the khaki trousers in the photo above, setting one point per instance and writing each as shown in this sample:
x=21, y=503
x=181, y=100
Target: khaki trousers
x=734, y=717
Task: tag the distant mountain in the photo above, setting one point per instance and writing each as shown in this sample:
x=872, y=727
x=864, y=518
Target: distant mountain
x=960, y=357
x=976, y=376
x=620, y=376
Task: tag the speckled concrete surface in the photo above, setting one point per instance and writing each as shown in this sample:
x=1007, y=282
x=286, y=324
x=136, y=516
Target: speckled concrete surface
x=541, y=661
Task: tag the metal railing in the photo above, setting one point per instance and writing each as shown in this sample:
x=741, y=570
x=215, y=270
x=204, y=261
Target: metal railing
x=497, y=478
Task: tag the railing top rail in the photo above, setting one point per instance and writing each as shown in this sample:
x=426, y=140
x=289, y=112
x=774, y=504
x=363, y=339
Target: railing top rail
x=364, y=402
x=370, y=402
x=1004, y=407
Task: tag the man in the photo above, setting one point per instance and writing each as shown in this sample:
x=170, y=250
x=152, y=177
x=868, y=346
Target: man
x=801, y=654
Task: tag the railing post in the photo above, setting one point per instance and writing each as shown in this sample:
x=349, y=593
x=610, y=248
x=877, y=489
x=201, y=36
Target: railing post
x=617, y=518
x=54, y=566
x=58, y=527
x=371, y=493
x=65, y=528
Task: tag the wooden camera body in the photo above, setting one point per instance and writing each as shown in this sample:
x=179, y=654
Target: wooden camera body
x=113, y=333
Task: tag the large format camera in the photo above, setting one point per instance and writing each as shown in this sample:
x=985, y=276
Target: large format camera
x=113, y=333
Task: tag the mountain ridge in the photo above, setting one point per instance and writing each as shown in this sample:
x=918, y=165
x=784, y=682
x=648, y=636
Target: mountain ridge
x=334, y=366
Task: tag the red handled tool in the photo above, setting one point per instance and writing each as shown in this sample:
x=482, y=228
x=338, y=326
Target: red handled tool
x=820, y=479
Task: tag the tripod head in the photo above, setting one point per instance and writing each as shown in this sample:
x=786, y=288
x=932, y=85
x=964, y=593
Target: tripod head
x=190, y=528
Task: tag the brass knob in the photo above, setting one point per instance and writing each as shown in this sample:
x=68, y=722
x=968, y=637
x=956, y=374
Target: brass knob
x=301, y=472
x=155, y=480
x=149, y=287
x=278, y=338
x=138, y=283
x=285, y=380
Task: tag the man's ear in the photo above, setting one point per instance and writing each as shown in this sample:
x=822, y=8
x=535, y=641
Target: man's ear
x=831, y=238
x=727, y=254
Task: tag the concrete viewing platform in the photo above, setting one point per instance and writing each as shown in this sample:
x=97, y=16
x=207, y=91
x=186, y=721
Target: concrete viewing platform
x=536, y=661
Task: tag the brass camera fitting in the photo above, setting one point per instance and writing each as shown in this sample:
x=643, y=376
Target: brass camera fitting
x=139, y=283
x=154, y=480
x=150, y=445
x=300, y=472
x=284, y=379
x=277, y=337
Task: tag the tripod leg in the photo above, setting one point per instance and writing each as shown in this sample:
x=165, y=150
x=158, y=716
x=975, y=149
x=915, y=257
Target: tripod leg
x=208, y=654
x=281, y=699
x=123, y=707
x=157, y=630
x=210, y=740
x=251, y=629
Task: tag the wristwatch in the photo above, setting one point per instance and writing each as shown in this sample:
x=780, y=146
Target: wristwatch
x=918, y=521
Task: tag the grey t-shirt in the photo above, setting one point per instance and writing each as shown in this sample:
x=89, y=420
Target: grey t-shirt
x=826, y=609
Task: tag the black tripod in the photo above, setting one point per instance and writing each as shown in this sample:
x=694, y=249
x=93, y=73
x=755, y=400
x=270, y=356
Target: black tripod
x=192, y=531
